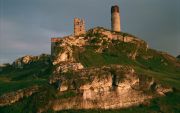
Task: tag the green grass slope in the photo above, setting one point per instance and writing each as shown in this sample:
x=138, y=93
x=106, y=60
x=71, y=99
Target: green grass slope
x=13, y=78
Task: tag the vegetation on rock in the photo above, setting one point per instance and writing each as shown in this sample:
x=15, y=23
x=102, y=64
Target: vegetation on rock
x=98, y=48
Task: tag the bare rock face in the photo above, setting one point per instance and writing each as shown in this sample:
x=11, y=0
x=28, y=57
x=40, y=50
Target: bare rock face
x=67, y=66
x=26, y=59
x=12, y=97
x=163, y=90
x=63, y=59
x=107, y=87
x=64, y=55
x=20, y=62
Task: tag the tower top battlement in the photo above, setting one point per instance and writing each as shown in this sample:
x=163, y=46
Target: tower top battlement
x=115, y=9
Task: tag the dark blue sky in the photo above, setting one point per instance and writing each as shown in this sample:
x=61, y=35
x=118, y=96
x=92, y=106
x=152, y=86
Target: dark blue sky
x=26, y=26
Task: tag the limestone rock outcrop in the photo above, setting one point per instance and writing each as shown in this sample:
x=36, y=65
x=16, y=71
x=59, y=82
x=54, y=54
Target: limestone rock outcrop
x=63, y=59
x=63, y=48
x=106, y=87
x=20, y=62
x=12, y=97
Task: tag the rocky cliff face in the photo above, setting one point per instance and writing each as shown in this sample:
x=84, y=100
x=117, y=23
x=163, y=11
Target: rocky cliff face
x=105, y=87
x=28, y=59
x=63, y=59
x=12, y=97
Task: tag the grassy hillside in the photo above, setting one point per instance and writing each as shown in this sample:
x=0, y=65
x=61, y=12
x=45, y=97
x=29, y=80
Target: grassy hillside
x=13, y=78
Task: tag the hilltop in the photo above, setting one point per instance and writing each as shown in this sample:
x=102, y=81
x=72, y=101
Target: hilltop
x=100, y=46
x=100, y=69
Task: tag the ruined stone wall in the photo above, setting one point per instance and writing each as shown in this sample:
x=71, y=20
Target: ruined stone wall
x=79, y=26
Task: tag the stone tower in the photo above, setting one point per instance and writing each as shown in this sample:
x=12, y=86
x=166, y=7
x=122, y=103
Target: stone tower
x=79, y=26
x=115, y=19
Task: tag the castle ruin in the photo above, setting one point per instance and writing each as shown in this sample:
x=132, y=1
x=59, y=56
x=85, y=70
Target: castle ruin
x=79, y=26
